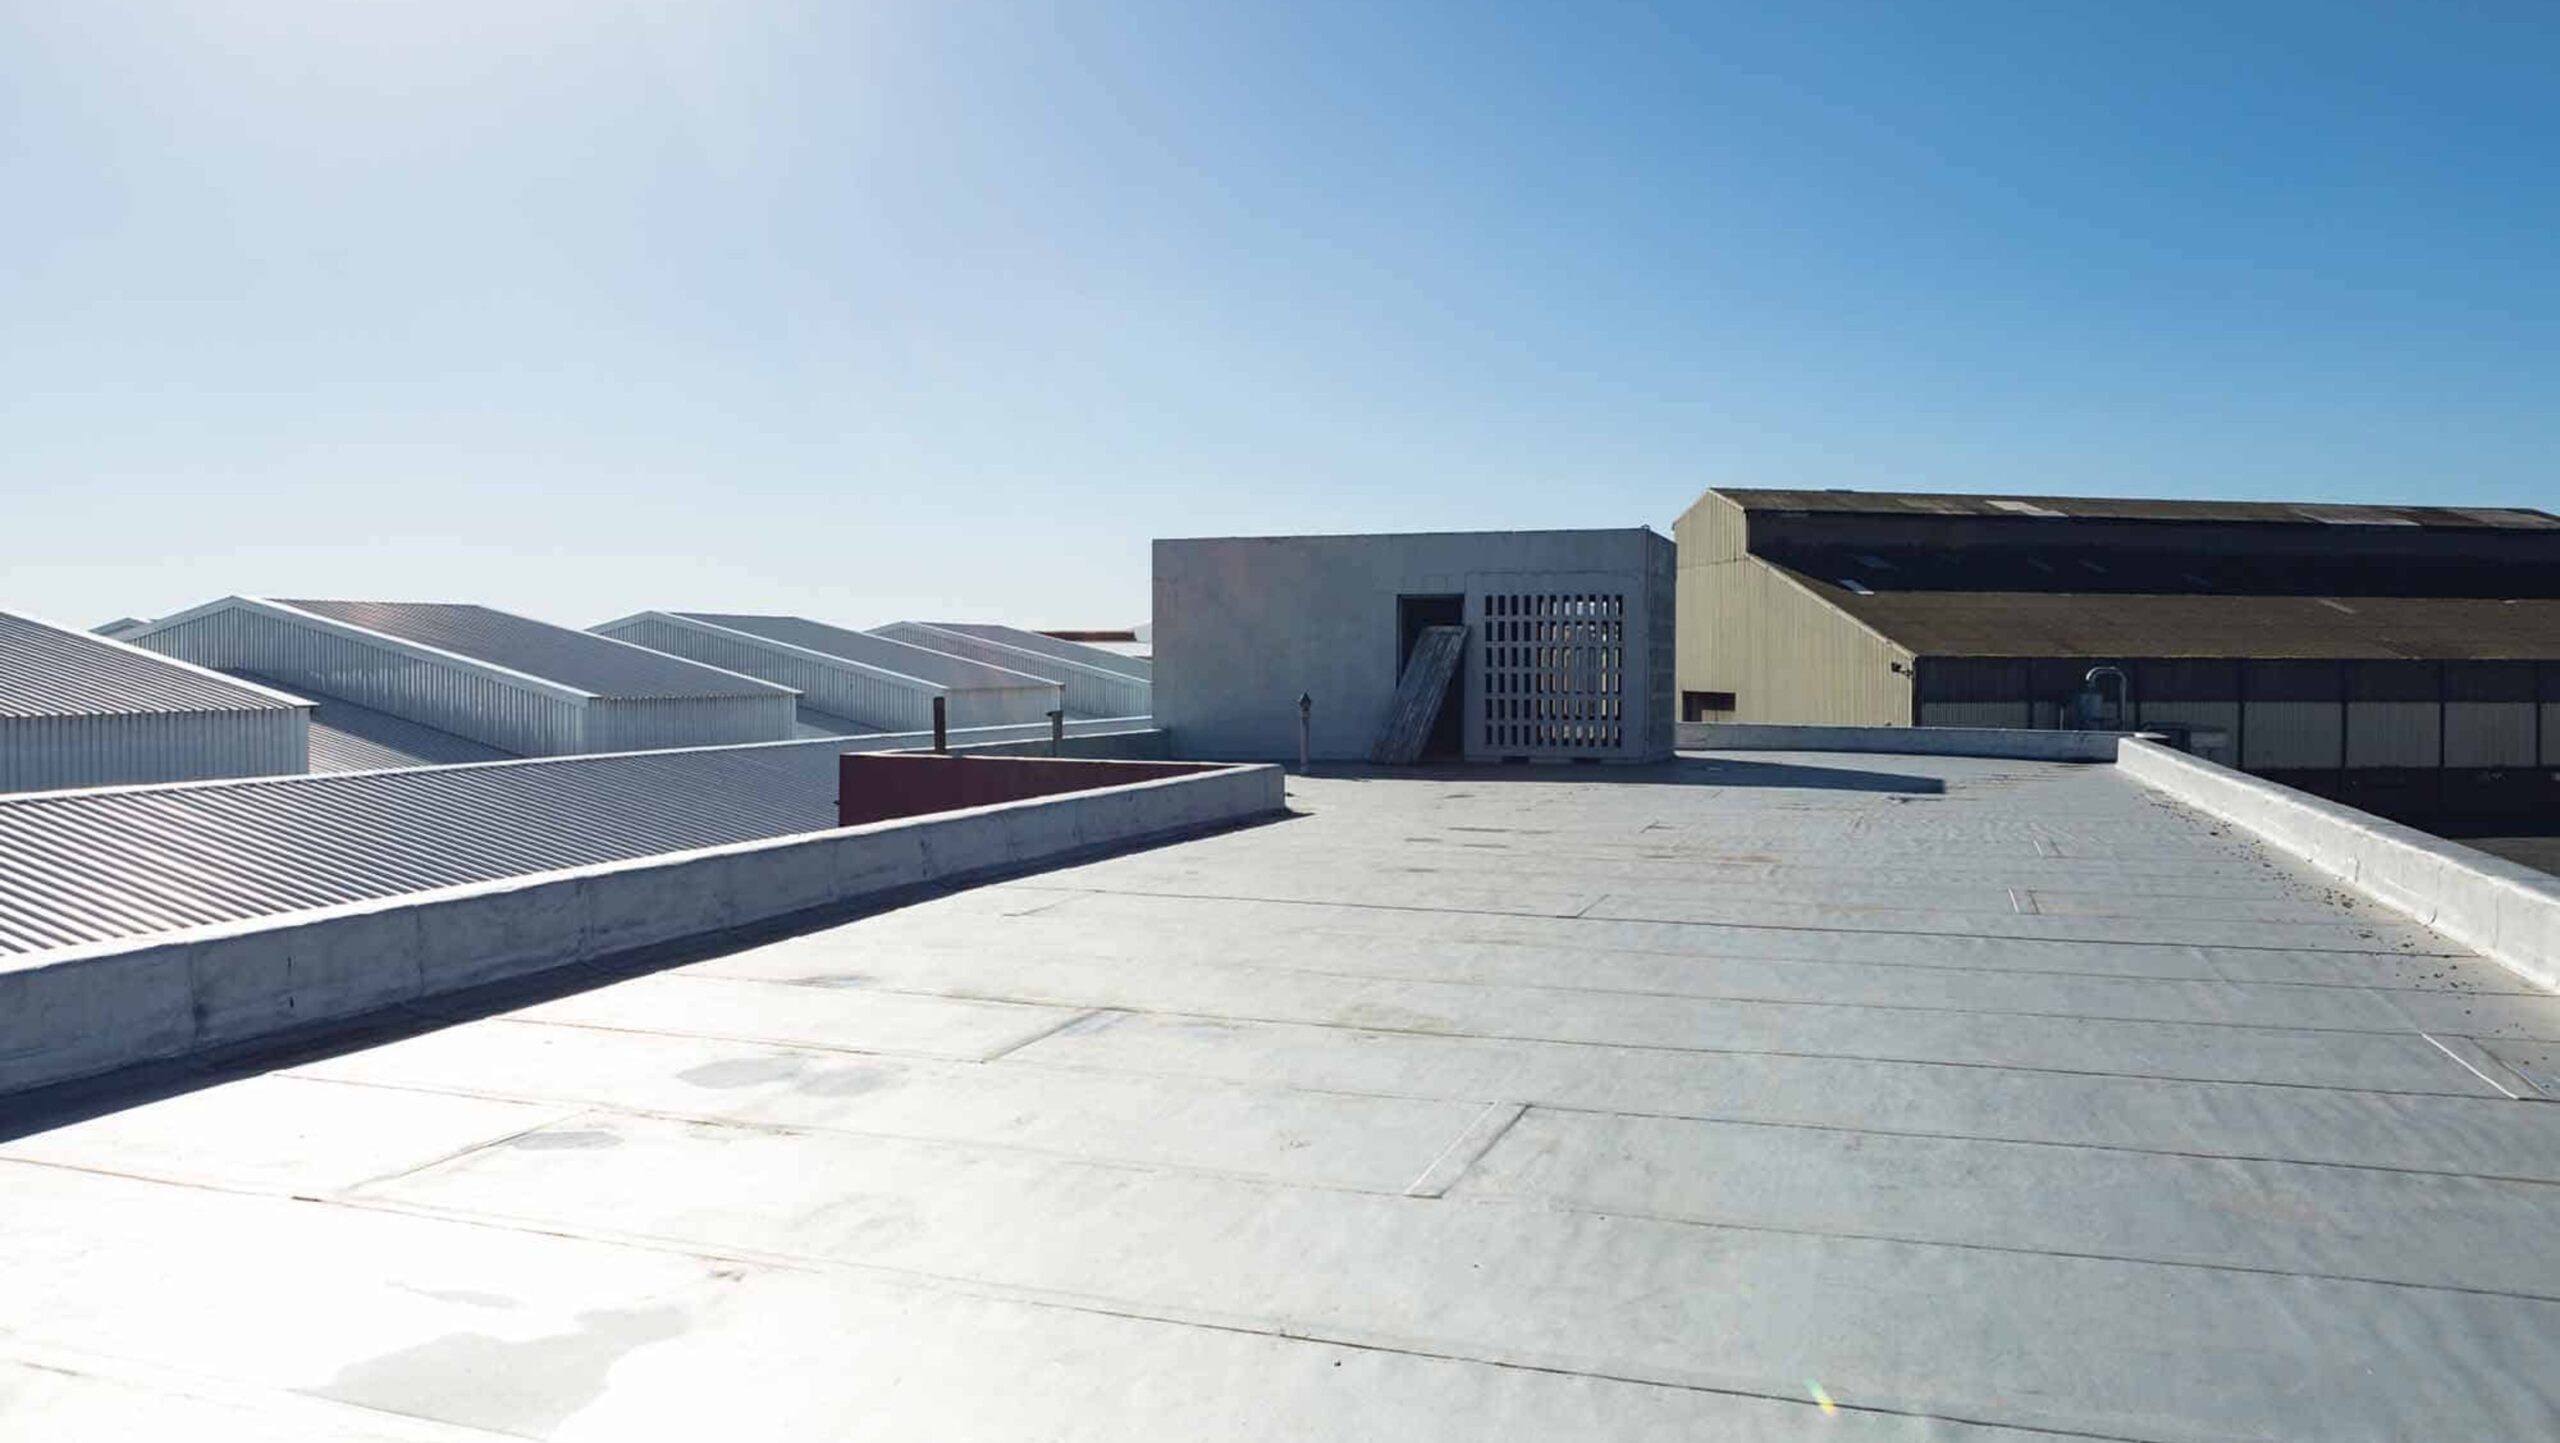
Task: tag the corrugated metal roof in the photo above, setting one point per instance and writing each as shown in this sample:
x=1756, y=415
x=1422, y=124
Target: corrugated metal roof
x=814, y=723
x=1045, y=644
x=346, y=737
x=2068, y=624
x=89, y=866
x=1914, y=503
x=560, y=654
x=905, y=658
x=48, y=670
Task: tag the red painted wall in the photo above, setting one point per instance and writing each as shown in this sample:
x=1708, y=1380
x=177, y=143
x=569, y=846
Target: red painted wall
x=883, y=786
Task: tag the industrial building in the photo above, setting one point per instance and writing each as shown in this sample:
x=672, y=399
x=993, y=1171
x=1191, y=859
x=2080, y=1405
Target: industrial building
x=460, y=683
x=1882, y=1085
x=1567, y=652
x=80, y=710
x=2404, y=658
x=1094, y=682
x=850, y=682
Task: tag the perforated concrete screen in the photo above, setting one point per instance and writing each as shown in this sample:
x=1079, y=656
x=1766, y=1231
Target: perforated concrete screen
x=1554, y=669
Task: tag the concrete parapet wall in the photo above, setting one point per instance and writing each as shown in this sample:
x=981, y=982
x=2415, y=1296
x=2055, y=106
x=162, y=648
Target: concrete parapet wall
x=2015, y=743
x=2506, y=911
x=78, y=1012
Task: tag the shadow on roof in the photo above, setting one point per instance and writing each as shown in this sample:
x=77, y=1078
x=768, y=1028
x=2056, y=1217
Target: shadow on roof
x=1680, y=772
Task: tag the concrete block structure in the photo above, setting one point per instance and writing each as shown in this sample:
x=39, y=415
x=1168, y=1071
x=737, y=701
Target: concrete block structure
x=80, y=710
x=1568, y=657
x=2405, y=658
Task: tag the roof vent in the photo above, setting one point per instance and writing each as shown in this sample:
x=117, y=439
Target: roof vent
x=1858, y=587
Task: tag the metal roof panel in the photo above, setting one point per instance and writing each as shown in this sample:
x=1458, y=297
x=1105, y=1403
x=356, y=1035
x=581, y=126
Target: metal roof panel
x=48, y=670
x=565, y=655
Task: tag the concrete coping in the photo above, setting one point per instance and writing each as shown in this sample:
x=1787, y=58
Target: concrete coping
x=80, y=1011
x=2505, y=910
x=2016, y=743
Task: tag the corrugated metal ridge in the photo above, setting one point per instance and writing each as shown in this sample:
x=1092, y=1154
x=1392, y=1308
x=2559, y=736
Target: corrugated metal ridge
x=328, y=625
x=825, y=658
x=1040, y=643
x=578, y=662
x=51, y=670
x=1041, y=657
x=818, y=631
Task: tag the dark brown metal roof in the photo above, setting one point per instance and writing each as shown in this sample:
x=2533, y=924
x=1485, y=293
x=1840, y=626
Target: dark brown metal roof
x=2075, y=624
x=2087, y=508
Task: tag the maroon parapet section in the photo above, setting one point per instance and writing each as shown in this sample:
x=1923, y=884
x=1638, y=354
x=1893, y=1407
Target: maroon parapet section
x=884, y=786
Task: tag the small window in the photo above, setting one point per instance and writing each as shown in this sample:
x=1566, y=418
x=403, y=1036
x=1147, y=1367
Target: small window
x=1697, y=705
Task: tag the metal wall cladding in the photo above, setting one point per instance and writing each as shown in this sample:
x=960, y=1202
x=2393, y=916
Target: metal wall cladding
x=83, y=867
x=838, y=686
x=2394, y=734
x=1784, y=653
x=2282, y=735
x=2488, y=734
x=624, y=724
x=1976, y=714
x=47, y=753
x=450, y=696
x=1089, y=691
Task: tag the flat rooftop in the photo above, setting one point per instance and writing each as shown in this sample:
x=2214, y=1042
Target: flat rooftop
x=1755, y=1096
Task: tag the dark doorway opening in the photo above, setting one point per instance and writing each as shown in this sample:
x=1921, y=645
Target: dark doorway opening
x=1448, y=739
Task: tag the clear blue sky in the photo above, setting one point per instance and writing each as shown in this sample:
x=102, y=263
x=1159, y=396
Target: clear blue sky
x=865, y=309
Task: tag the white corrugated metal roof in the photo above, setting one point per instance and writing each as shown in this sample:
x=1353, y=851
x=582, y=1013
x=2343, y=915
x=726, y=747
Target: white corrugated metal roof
x=905, y=658
x=595, y=664
x=89, y=866
x=48, y=670
x=1082, y=653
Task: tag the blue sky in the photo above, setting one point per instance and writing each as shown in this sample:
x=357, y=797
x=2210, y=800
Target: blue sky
x=867, y=310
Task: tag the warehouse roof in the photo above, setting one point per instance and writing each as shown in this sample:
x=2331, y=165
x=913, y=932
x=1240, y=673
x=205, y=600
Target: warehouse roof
x=346, y=737
x=86, y=866
x=51, y=671
x=2028, y=623
x=581, y=660
x=922, y=663
x=1766, y=1096
x=2109, y=508
x=1050, y=644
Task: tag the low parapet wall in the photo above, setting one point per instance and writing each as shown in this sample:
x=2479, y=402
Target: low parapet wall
x=2015, y=743
x=2506, y=911
x=82, y=1011
x=879, y=786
